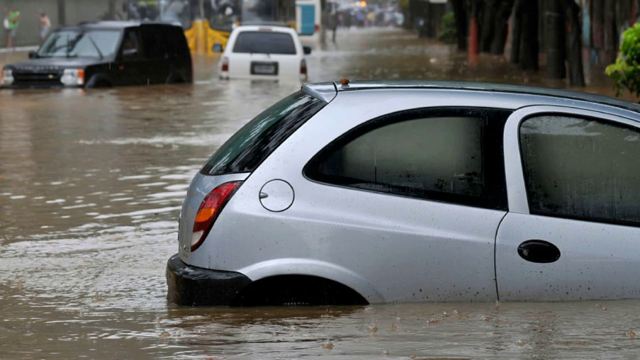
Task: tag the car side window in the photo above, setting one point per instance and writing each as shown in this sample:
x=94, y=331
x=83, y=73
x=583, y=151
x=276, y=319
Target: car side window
x=582, y=168
x=449, y=155
x=156, y=41
x=131, y=48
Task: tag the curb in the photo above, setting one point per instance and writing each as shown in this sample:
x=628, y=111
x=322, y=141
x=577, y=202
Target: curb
x=18, y=49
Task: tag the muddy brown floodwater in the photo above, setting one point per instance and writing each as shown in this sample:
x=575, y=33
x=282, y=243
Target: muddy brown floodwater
x=90, y=188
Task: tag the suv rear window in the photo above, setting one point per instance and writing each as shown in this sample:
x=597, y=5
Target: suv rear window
x=264, y=42
x=255, y=141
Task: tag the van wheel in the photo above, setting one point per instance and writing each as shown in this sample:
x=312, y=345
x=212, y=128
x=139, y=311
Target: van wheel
x=97, y=81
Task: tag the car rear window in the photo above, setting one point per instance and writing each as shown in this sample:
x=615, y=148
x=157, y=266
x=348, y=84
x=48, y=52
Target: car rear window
x=255, y=141
x=264, y=42
x=447, y=155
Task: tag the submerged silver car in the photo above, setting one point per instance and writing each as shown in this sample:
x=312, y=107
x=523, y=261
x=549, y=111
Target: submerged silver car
x=355, y=193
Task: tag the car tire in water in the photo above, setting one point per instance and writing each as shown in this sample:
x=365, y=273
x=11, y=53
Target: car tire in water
x=98, y=81
x=175, y=79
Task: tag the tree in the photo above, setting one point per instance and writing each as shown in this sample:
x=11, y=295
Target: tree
x=462, y=23
x=554, y=32
x=625, y=72
x=503, y=12
x=574, y=43
x=482, y=25
x=525, y=45
x=486, y=19
x=487, y=23
x=610, y=32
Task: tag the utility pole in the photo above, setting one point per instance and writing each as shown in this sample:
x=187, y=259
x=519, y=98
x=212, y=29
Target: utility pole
x=554, y=22
x=201, y=8
x=62, y=18
x=112, y=9
x=472, y=43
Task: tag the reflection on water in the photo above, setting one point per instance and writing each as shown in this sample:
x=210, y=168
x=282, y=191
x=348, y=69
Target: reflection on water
x=409, y=331
x=90, y=187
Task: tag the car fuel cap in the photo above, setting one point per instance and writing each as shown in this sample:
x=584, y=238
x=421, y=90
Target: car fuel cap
x=276, y=195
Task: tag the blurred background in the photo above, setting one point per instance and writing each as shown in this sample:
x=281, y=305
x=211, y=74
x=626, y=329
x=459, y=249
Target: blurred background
x=92, y=180
x=568, y=39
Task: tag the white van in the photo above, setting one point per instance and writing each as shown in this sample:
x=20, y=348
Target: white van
x=264, y=52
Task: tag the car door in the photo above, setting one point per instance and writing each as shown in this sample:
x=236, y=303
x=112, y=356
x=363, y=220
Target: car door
x=156, y=39
x=573, y=227
x=132, y=65
x=411, y=202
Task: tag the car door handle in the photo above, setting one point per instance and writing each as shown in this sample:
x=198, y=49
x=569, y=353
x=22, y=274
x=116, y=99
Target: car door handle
x=539, y=251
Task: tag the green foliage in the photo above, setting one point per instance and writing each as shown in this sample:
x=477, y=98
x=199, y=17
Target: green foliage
x=448, y=32
x=626, y=70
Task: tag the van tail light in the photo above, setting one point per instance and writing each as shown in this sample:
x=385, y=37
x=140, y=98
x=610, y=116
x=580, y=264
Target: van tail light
x=225, y=64
x=209, y=211
x=303, y=67
x=316, y=28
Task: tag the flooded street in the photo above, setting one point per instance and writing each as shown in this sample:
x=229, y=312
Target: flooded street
x=91, y=184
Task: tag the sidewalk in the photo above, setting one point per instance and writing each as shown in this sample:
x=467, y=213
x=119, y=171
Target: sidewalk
x=8, y=56
x=19, y=49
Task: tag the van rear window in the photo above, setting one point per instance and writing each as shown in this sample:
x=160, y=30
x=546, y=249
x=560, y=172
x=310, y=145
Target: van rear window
x=255, y=141
x=264, y=42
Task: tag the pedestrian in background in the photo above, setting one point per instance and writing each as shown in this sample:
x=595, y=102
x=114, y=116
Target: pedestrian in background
x=333, y=25
x=10, y=24
x=45, y=26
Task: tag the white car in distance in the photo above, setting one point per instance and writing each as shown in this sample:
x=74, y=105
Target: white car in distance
x=264, y=53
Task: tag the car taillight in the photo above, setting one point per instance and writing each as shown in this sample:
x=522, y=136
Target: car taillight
x=225, y=64
x=209, y=211
x=303, y=67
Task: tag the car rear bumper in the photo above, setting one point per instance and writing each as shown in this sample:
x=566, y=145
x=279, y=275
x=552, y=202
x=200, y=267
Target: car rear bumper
x=287, y=78
x=193, y=286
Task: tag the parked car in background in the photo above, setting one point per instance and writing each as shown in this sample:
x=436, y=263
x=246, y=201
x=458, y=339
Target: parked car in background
x=264, y=52
x=103, y=54
x=406, y=192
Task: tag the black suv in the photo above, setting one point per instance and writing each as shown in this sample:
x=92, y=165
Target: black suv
x=103, y=54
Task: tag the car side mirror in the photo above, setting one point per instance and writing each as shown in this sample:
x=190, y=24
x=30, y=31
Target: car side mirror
x=33, y=54
x=307, y=50
x=130, y=52
x=217, y=47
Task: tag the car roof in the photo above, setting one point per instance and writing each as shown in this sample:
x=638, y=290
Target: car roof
x=264, y=23
x=265, y=28
x=327, y=91
x=114, y=25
